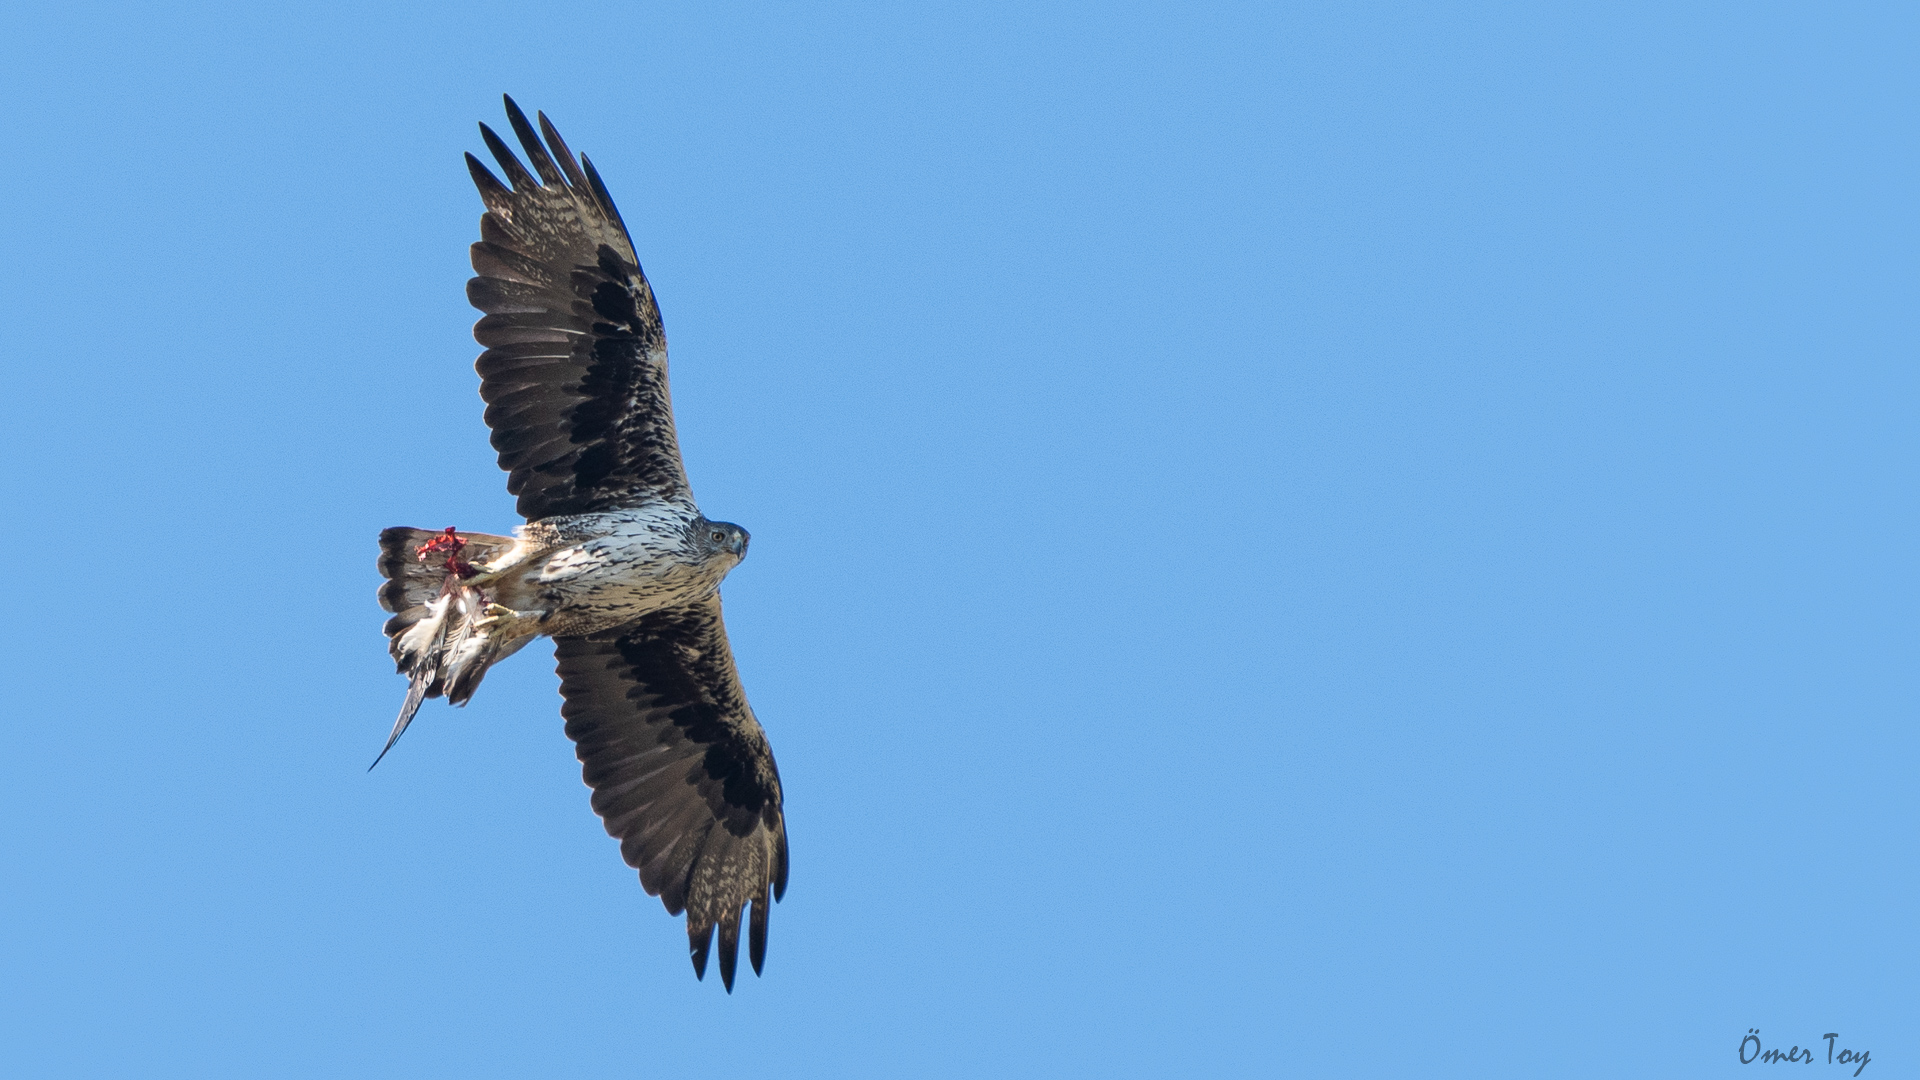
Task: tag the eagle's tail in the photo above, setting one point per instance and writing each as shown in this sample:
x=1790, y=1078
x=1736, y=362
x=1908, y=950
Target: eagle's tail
x=445, y=633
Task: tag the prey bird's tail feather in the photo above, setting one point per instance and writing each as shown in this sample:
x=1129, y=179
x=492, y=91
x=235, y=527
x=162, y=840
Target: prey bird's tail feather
x=442, y=636
x=416, y=693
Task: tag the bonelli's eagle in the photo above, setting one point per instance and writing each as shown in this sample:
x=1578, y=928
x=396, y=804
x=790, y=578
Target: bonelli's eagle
x=615, y=563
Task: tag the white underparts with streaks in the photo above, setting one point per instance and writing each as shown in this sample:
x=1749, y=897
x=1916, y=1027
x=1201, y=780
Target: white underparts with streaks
x=590, y=572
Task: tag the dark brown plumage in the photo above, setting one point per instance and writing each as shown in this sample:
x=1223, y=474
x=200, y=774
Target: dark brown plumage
x=680, y=771
x=575, y=372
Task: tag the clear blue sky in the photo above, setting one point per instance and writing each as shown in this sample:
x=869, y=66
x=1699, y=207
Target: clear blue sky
x=1316, y=540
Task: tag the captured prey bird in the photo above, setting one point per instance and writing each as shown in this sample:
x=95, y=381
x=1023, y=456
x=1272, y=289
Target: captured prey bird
x=615, y=563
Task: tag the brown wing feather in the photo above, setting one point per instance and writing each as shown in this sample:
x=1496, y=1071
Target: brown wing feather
x=575, y=371
x=681, y=771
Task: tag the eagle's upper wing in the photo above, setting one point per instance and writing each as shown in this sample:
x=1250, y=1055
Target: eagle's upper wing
x=681, y=772
x=575, y=371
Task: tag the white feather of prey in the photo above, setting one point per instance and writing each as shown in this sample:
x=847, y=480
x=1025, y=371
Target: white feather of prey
x=448, y=650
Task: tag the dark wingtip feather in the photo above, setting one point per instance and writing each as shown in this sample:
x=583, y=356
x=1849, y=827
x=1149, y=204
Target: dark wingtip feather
x=562, y=152
x=757, y=934
x=492, y=191
x=517, y=174
x=729, y=946
x=536, y=153
x=600, y=193
x=698, y=940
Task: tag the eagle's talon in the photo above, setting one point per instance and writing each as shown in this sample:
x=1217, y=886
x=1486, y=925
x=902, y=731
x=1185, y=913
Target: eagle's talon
x=499, y=615
x=480, y=574
x=494, y=615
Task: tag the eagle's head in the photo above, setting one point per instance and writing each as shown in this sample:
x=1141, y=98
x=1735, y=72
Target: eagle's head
x=721, y=540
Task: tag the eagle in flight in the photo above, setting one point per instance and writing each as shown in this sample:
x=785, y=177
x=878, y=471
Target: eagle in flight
x=615, y=563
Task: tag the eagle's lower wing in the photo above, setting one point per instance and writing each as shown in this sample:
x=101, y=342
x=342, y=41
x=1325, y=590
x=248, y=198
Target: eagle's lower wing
x=680, y=770
x=575, y=371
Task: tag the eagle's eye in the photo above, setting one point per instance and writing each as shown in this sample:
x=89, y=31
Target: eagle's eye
x=718, y=536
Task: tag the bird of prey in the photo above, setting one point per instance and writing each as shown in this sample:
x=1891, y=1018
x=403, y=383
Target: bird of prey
x=616, y=563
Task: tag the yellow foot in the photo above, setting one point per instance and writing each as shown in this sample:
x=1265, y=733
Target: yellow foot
x=499, y=615
x=495, y=615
